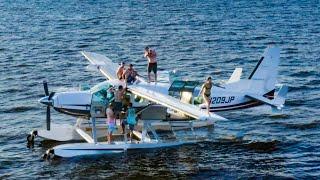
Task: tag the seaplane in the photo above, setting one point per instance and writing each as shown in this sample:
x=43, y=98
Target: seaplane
x=161, y=105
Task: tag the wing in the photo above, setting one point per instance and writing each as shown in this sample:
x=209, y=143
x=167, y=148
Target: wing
x=103, y=64
x=172, y=103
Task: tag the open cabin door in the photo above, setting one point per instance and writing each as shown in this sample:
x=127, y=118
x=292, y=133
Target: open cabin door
x=183, y=90
x=101, y=97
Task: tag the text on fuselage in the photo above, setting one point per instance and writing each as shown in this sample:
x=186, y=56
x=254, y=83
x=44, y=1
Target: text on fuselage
x=222, y=100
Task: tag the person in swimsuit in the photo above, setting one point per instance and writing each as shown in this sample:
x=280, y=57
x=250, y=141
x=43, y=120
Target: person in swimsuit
x=120, y=71
x=111, y=121
x=130, y=74
x=151, y=56
x=131, y=119
x=206, y=92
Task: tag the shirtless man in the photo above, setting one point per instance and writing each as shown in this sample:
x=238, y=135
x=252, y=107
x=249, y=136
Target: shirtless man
x=206, y=92
x=118, y=96
x=151, y=56
x=120, y=71
x=130, y=74
x=111, y=121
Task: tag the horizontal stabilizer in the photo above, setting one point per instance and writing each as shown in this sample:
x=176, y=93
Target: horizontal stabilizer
x=281, y=95
x=173, y=103
x=261, y=99
x=236, y=75
x=277, y=102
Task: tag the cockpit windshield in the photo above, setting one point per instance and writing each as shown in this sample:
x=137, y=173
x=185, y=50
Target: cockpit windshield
x=101, y=94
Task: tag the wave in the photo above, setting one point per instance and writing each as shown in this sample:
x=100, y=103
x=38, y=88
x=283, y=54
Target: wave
x=13, y=90
x=303, y=126
x=263, y=146
x=260, y=146
x=305, y=73
x=19, y=109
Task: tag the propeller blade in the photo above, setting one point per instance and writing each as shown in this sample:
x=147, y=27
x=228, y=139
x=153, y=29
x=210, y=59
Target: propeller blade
x=51, y=95
x=45, y=86
x=48, y=119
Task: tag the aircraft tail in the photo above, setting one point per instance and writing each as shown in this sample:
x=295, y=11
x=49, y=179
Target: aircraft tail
x=267, y=69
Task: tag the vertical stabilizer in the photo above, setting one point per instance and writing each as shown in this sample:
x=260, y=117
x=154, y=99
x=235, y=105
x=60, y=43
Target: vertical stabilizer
x=267, y=68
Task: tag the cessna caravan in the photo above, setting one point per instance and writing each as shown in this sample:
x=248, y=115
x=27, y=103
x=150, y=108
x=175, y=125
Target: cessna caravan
x=163, y=104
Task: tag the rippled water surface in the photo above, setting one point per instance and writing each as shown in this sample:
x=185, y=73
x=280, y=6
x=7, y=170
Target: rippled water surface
x=42, y=39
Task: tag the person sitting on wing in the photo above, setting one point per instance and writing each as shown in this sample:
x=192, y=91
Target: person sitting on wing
x=206, y=92
x=111, y=121
x=130, y=74
x=121, y=70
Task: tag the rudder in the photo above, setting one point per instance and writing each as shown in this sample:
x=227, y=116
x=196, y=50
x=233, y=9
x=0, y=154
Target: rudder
x=267, y=68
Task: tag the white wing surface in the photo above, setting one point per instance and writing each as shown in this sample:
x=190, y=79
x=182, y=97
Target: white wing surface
x=102, y=63
x=149, y=91
x=172, y=103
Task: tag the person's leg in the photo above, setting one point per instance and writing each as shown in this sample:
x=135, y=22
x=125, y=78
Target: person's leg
x=130, y=136
x=131, y=127
x=206, y=101
x=109, y=137
x=123, y=126
x=208, y=104
x=155, y=68
x=149, y=71
x=125, y=122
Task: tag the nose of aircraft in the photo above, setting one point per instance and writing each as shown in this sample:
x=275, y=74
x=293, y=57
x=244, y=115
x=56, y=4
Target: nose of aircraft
x=45, y=100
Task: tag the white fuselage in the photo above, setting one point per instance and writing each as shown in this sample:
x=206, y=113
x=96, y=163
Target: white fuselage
x=230, y=97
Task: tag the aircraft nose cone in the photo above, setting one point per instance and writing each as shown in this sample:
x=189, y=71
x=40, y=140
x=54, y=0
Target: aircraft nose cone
x=45, y=100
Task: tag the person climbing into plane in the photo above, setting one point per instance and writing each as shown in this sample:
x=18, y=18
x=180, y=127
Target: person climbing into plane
x=111, y=121
x=151, y=56
x=206, y=92
x=130, y=74
x=125, y=104
x=120, y=71
x=119, y=103
x=118, y=98
x=119, y=94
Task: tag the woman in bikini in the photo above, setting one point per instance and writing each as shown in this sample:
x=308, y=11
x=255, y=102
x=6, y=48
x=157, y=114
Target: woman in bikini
x=206, y=92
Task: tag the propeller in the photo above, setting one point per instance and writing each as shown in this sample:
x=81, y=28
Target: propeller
x=45, y=86
x=48, y=102
x=48, y=118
